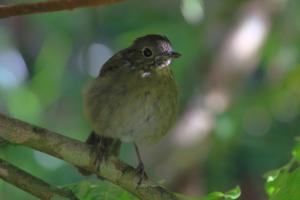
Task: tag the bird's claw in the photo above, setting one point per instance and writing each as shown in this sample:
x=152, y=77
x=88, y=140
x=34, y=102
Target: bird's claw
x=140, y=171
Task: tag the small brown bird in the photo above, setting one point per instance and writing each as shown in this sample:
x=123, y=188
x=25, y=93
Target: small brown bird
x=134, y=98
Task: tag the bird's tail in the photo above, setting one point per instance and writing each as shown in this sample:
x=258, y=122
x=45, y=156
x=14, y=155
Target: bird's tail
x=109, y=146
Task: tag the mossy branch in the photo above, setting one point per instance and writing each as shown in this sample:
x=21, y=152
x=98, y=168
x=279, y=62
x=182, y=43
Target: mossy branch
x=48, y=6
x=81, y=155
x=31, y=184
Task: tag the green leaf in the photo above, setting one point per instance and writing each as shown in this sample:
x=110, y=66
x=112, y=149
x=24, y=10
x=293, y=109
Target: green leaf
x=230, y=195
x=272, y=175
x=296, y=151
x=285, y=186
x=100, y=190
x=235, y=193
x=214, y=196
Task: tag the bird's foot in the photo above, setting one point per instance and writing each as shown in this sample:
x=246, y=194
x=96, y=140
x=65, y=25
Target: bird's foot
x=140, y=171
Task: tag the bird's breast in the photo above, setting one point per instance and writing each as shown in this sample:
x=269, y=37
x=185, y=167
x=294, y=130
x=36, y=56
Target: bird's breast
x=139, y=106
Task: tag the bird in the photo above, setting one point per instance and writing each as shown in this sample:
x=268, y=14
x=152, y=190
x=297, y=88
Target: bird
x=133, y=99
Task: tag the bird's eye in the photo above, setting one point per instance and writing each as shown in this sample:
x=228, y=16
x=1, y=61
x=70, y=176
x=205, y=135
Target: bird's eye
x=147, y=52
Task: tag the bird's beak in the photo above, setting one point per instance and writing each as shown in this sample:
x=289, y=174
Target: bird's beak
x=174, y=54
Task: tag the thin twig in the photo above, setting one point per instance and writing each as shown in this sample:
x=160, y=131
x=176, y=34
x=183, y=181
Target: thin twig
x=81, y=155
x=31, y=184
x=48, y=6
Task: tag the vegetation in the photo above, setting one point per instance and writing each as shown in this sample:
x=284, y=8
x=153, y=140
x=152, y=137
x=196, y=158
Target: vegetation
x=238, y=119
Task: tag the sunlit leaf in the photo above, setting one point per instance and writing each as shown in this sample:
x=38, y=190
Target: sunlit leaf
x=296, y=151
x=272, y=175
x=285, y=186
x=235, y=193
x=214, y=196
x=101, y=190
x=230, y=195
x=275, y=182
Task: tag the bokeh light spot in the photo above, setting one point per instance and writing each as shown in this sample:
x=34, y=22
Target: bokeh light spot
x=192, y=11
x=97, y=55
x=13, y=70
x=47, y=162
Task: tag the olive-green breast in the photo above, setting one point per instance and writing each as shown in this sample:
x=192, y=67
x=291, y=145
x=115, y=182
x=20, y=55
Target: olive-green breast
x=132, y=105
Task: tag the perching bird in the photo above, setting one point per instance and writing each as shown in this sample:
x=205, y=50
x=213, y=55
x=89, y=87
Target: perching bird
x=134, y=98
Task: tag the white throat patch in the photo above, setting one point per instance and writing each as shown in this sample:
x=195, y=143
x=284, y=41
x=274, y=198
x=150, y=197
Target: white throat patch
x=165, y=63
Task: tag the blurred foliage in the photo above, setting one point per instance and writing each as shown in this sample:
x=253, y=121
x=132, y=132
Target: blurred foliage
x=45, y=62
x=103, y=190
x=283, y=183
x=233, y=194
x=100, y=190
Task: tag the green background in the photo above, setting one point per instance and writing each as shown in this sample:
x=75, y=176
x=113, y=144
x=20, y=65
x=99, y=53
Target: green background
x=247, y=101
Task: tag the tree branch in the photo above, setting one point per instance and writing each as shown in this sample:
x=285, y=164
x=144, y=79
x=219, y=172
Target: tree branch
x=48, y=6
x=31, y=184
x=81, y=155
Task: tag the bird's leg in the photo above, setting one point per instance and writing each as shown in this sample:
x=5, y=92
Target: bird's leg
x=140, y=169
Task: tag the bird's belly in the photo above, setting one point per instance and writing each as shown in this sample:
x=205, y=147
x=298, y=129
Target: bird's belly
x=150, y=116
x=136, y=111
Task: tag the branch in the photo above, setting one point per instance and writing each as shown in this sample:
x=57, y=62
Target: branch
x=81, y=155
x=31, y=184
x=48, y=6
